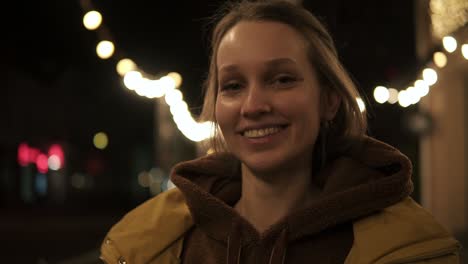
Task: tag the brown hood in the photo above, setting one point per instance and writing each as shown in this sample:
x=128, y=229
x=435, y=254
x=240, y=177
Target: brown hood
x=354, y=185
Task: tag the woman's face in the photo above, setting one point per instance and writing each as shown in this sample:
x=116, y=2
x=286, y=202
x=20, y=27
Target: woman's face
x=268, y=102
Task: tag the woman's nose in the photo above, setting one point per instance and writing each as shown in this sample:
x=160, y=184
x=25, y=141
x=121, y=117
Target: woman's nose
x=255, y=103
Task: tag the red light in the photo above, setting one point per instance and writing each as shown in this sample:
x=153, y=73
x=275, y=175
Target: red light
x=57, y=150
x=23, y=154
x=42, y=163
x=33, y=153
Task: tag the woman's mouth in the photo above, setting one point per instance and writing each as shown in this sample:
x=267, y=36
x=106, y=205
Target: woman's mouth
x=262, y=132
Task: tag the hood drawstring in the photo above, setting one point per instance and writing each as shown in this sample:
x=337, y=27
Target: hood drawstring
x=278, y=253
x=234, y=245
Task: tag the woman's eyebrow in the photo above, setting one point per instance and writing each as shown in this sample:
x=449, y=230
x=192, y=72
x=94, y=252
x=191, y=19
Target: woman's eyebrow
x=269, y=63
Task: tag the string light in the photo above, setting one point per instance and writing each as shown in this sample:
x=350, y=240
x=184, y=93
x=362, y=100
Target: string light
x=381, y=94
x=124, y=66
x=464, y=50
x=449, y=43
x=440, y=59
x=168, y=86
x=92, y=20
x=393, y=95
x=105, y=49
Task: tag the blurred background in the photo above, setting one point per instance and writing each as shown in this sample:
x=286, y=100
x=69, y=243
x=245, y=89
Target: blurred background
x=98, y=106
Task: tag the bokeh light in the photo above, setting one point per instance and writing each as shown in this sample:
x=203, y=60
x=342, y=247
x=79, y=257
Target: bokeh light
x=440, y=59
x=404, y=99
x=464, y=50
x=105, y=49
x=92, y=20
x=124, y=66
x=429, y=76
x=100, y=140
x=54, y=162
x=42, y=163
x=133, y=79
x=176, y=77
x=393, y=95
x=449, y=43
x=381, y=94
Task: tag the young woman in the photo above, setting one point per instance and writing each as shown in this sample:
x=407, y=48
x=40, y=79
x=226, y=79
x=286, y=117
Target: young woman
x=294, y=178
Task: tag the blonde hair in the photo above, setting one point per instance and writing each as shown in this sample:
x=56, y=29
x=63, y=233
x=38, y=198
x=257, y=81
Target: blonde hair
x=349, y=124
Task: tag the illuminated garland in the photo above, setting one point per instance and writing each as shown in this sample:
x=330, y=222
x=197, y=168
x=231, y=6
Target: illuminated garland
x=421, y=87
x=144, y=84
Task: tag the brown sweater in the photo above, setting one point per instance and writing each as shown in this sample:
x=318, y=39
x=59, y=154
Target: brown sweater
x=353, y=186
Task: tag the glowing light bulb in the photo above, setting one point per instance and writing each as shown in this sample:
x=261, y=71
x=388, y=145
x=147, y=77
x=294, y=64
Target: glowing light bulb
x=173, y=97
x=133, y=79
x=393, y=95
x=105, y=49
x=440, y=59
x=381, y=94
x=54, y=162
x=176, y=77
x=404, y=99
x=464, y=50
x=124, y=66
x=449, y=43
x=92, y=20
x=429, y=76
x=422, y=88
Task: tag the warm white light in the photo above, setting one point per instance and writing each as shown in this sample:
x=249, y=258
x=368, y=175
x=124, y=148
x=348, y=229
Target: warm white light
x=450, y=43
x=403, y=98
x=362, y=106
x=133, y=79
x=413, y=95
x=105, y=49
x=168, y=83
x=429, y=76
x=381, y=94
x=144, y=88
x=422, y=88
x=393, y=95
x=155, y=89
x=464, y=50
x=54, y=162
x=173, y=96
x=92, y=20
x=179, y=108
x=176, y=77
x=124, y=66
x=440, y=59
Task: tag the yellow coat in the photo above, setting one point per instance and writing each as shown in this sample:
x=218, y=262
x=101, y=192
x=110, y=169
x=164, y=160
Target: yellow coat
x=153, y=233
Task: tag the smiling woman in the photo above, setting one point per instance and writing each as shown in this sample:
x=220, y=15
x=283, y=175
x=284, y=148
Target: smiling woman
x=294, y=178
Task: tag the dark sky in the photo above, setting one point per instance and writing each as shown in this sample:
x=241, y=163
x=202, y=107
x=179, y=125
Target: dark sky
x=58, y=90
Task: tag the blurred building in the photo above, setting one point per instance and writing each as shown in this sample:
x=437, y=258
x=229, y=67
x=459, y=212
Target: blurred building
x=441, y=39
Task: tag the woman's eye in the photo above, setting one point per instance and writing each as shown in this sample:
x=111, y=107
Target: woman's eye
x=230, y=87
x=284, y=80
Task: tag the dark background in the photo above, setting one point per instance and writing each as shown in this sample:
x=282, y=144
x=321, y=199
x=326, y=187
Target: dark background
x=56, y=90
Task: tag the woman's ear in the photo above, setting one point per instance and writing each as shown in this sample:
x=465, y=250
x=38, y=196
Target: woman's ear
x=330, y=104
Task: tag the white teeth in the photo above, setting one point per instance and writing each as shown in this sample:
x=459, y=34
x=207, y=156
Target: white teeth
x=255, y=133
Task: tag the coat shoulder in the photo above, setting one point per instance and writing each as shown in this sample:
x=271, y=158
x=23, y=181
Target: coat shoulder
x=145, y=232
x=402, y=233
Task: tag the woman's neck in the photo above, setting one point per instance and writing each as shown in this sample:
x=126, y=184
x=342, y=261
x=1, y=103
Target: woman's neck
x=267, y=199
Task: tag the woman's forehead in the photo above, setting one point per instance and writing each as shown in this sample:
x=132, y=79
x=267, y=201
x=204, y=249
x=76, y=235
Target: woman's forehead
x=268, y=42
